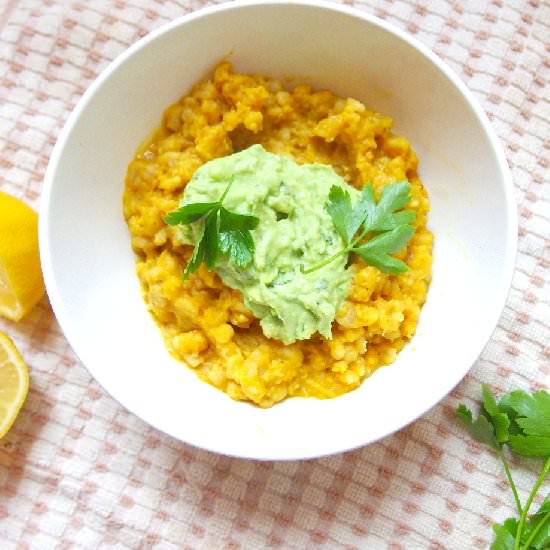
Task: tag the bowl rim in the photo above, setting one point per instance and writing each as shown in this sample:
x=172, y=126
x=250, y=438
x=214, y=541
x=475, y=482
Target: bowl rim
x=511, y=237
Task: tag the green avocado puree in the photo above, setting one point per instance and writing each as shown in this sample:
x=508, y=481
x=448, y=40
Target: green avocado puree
x=295, y=230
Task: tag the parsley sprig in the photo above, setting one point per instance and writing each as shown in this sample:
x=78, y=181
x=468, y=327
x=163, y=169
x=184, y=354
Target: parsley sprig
x=388, y=226
x=520, y=422
x=220, y=233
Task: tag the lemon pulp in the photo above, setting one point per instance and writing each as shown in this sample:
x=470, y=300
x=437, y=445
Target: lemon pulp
x=14, y=383
x=21, y=284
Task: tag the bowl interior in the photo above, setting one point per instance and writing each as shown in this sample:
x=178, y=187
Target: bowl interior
x=90, y=270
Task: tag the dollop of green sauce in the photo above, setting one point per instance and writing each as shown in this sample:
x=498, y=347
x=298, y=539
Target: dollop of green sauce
x=295, y=232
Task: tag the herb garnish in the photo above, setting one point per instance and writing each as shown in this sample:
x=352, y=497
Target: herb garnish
x=390, y=225
x=221, y=232
x=521, y=421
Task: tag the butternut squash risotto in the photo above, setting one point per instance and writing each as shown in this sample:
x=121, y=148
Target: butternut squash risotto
x=205, y=324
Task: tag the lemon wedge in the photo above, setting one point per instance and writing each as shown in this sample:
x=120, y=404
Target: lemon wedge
x=14, y=383
x=21, y=283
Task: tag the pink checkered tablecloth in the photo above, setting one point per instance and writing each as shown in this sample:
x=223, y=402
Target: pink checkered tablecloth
x=79, y=471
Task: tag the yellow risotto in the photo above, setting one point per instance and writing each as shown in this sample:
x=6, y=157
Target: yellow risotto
x=205, y=324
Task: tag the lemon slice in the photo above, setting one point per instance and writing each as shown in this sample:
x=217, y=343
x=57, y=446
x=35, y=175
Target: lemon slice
x=21, y=284
x=14, y=383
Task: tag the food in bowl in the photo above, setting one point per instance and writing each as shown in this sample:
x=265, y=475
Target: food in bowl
x=210, y=320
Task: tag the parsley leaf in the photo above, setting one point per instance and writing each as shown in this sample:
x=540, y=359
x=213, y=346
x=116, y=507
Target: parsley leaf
x=389, y=227
x=391, y=241
x=505, y=407
x=231, y=220
x=190, y=213
x=394, y=197
x=221, y=232
x=340, y=210
x=505, y=534
x=210, y=239
x=197, y=257
x=398, y=218
x=530, y=445
x=480, y=429
x=533, y=412
x=545, y=506
x=376, y=251
x=535, y=534
x=521, y=422
x=239, y=245
x=365, y=207
x=235, y=238
x=532, y=420
x=537, y=529
x=499, y=420
x=384, y=262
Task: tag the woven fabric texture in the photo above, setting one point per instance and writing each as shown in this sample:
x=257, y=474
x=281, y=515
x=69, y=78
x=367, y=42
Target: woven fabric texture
x=79, y=471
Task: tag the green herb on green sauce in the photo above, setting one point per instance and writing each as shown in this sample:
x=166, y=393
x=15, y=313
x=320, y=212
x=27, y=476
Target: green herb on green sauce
x=308, y=218
x=221, y=232
x=385, y=220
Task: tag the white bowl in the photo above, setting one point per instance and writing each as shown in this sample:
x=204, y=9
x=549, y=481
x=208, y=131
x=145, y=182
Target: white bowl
x=89, y=266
